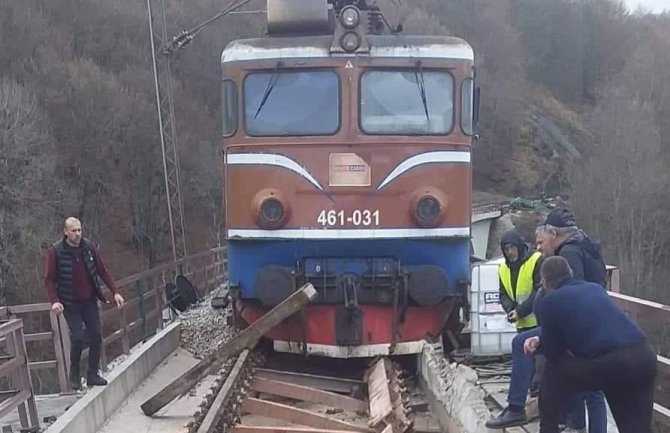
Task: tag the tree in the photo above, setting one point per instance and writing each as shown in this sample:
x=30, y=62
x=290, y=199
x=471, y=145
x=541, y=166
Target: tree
x=27, y=190
x=620, y=189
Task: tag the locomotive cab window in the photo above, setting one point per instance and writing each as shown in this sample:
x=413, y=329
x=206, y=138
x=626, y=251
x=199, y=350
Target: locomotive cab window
x=407, y=101
x=467, y=104
x=229, y=107
x=292, y=102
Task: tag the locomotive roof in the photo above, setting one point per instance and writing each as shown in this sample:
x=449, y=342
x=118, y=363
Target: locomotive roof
x=319, y=46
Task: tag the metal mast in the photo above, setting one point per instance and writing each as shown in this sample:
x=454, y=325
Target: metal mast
x=166, y=123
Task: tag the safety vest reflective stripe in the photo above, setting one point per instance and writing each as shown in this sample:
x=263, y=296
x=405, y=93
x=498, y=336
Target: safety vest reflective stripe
x=524, y=286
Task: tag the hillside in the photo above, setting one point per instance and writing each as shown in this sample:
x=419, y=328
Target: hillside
x=79, y=135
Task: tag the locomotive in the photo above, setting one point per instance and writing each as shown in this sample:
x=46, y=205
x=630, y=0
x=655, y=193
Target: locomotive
x=347, y=164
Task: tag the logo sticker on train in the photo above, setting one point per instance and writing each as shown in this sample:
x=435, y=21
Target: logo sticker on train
x=347, y=169
x=357, y=217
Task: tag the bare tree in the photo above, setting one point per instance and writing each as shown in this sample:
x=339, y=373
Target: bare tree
x=621, y=187
x=26, y=166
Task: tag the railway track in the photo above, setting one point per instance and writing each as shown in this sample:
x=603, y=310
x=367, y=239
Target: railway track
x=247, y=397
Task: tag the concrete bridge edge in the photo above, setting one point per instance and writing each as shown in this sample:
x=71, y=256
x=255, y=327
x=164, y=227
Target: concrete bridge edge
x=98, y=404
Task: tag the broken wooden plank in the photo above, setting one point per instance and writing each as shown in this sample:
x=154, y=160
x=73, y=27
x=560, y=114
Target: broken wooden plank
x=246, y=339
x=378, y=392
x=325, y=383
x=294, y=415
x=214, y=413
x=305, y=393
x=276, y=429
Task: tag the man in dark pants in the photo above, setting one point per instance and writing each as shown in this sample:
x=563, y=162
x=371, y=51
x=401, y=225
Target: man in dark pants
x=72, y=282
x=560, y=236
x=590, y=344
x=519, y=282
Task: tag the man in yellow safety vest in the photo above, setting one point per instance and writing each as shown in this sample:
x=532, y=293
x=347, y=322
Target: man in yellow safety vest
x=519, y=280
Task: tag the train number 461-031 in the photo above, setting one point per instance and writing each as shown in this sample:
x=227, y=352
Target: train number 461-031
x=356, y=217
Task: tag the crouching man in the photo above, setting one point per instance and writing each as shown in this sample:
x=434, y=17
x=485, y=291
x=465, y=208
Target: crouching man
x=590, y=344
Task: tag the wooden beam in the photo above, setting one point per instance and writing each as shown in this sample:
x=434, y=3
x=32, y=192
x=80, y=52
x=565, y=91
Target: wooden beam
x=39, y=336
x=278, y=429
x=294, y=415
x=38, y=365
x=325, y=383
x=661, y=414
x=380, y=397
x=305, y=393
x=214, y=413
x=246, y=339
x=11, y=403
x=11, y=365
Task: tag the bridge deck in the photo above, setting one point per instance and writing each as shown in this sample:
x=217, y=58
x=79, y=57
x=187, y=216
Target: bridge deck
x=173, y=417
x=496, y=388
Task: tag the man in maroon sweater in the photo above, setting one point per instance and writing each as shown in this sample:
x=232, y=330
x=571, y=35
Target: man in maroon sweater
x=72, y=282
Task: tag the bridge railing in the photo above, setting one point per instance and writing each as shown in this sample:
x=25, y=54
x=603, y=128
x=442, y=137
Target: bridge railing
x=141, y=316
x=643, y=312
x=14, y=370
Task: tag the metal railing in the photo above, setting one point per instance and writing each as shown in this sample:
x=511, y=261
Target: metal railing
x=139, y=318
x=640, y=310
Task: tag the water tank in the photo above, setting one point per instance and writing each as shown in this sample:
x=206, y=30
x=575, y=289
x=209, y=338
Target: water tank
x=491, y=333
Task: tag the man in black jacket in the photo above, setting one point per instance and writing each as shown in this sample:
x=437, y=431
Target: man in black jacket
x=560, y=236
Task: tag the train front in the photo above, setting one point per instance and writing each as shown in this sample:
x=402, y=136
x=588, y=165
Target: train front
x=348, y=165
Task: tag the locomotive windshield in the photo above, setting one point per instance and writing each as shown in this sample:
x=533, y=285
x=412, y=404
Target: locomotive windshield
x=406, y=102
x=292, y=103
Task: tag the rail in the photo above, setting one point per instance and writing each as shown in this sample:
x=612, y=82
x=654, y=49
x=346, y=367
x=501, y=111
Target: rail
x=139, y=318
x=14, y=369
x=639, y=309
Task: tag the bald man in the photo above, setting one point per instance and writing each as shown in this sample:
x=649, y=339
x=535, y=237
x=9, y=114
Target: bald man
x=72, y=276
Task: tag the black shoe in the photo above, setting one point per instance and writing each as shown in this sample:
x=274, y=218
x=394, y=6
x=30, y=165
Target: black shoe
x=534, y=391
x=75, y=382
x=95, y=380
x=508, y=418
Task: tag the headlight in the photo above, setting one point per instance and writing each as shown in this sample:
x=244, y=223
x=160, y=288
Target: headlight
x=271, y=211
x=427, y=207
x=350, y=41
x=270, y=208
x=350, y=16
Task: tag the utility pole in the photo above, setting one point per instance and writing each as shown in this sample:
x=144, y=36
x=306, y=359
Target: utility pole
x=166, y=122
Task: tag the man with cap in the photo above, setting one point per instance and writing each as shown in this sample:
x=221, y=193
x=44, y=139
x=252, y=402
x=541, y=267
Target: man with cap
x=560, y=236
x=519, y=282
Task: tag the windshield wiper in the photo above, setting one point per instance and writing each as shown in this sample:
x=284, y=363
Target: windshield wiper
x=418, y=76
x=268, y=89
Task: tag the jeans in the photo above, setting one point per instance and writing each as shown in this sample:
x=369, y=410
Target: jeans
x=77, y=315
x=597, y=410
x=522, y=368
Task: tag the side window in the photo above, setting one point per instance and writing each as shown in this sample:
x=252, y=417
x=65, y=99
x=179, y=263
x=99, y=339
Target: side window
x=467, y=102
x=229, y=107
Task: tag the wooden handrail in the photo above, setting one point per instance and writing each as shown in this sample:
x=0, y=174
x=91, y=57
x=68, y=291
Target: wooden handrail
x=128, y=329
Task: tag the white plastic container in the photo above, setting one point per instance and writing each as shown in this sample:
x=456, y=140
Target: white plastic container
x=491, y=333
